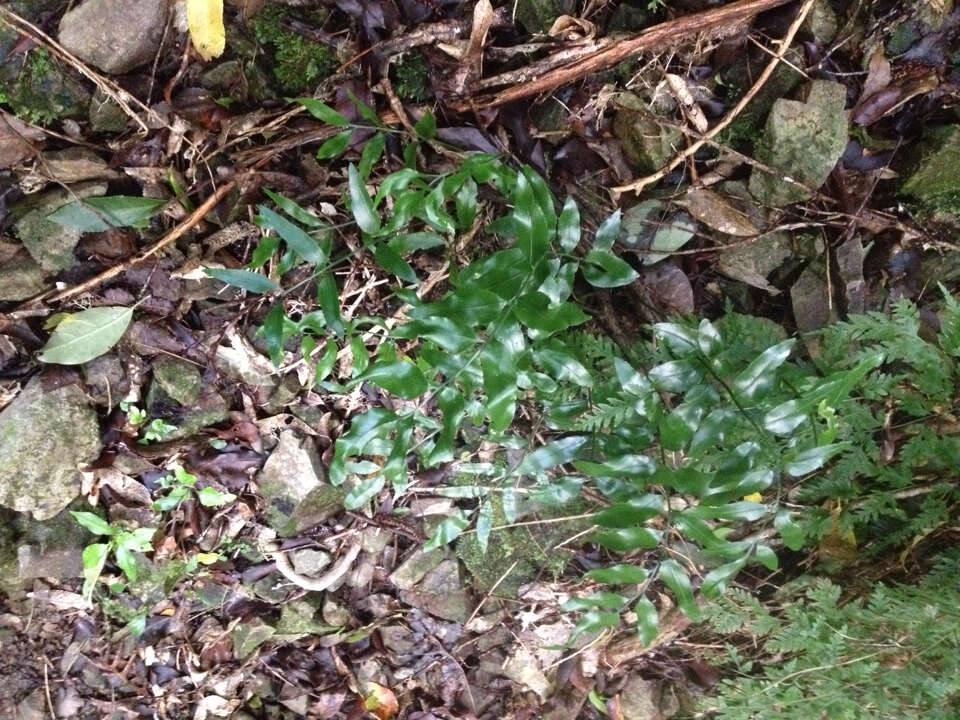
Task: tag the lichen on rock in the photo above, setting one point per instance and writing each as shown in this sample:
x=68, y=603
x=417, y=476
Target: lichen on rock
x=44, y=436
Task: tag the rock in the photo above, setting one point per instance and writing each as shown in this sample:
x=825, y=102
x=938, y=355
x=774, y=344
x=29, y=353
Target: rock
x=106, y=379
x=440, y=593
x=58, y=563
x=39, y=89
x=105, y=114
x=753, y=262
x=297, y=618
x=250, y=635
x=821, y=22
x=646, y=143
x=804, y=140
x=309, y=561
x=524, y=669
x=812, y=306
x=179, y=379
x=50, y=243
x=288, y=476
x=114, y=35
x=934, y=180
x=44, y=436
x=76, y=164
x=21, y=277
x=412, y=570
x=639, y=699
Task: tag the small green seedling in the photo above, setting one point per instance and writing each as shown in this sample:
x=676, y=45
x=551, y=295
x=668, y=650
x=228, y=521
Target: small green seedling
x=156, y=431
x=122, y=543
x=181, y=484
x=135, y=416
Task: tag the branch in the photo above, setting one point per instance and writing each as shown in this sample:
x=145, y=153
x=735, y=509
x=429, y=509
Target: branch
x=613, y=54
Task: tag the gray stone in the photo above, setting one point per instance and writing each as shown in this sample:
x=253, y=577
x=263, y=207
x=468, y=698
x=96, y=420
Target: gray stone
x=803, y=140
x=647, y=144
x=309, y=561
x=44, y=436
x=821, y=22
x=50, y=243
x=933, y=178
x=179, y=379
x=248, y=636
x=288, y=476
x=639, y=699
x=105, y=114
x=106, y=379
x=412, y=570
x=58, y=563
x=21, y=277
x=114, y=35
x=441, y=593
x=77, y=164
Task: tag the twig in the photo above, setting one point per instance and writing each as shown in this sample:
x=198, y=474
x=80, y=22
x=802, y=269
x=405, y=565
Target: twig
x=192, y=219
x=641, y=183
x=490, y=592
x=322, y=582
x=615, y=53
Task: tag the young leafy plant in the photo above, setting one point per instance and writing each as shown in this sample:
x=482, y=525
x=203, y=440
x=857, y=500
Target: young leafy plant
x=700, y=435
x=181, y=485
x=119, y=542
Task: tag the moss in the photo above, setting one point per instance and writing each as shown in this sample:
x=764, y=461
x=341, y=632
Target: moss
x=933, y=180
x=411, y=77
x=299, y=63
x=519, y=554
x=38, y=90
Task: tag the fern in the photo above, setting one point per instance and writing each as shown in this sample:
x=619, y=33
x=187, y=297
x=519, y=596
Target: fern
x=896, y=655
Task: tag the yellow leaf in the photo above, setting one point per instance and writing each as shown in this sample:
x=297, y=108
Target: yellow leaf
x=207, y=558
x=205, y=20
x=753, y=497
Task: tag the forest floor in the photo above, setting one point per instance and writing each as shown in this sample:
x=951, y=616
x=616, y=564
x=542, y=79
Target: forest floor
x=802, y=183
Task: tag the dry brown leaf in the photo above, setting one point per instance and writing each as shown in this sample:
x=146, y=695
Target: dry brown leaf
x=16, y=138
x=715, y=212
x=380, y=701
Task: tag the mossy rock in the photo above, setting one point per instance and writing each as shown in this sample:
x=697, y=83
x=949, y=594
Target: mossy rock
x=647, y=144
x=299, y=64
x=804, y=140
x=40, y=90
x=516, y=555
x=934, y=180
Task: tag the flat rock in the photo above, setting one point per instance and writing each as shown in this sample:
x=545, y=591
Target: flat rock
x=114, y=35
x=44, y=436
x=441, y=593
x=288, y=476
x=50, y=243
x=58, y=563
x=21, y=277
x=179, y=379
x=804, y=140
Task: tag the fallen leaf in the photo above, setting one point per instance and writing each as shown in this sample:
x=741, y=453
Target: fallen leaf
x=86, y=335
x=380, y=701
x=205, y=21
x=714, y=211
x=15, y=137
